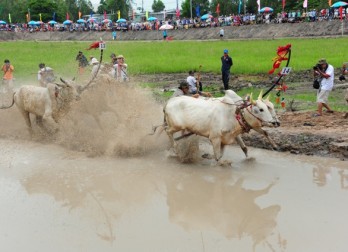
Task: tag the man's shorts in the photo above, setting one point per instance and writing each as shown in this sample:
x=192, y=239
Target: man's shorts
x=323, y=96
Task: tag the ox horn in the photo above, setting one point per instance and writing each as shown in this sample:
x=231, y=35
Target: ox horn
x=260, y=95
x=63, y=81
x=252, y=100
x=268, y=97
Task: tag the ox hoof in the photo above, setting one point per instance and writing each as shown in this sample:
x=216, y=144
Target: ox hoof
x=207, y=156
x=224, y=162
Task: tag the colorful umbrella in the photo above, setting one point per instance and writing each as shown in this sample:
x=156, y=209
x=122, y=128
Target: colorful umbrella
x=2, y=22
x=107, y=20
x=166, y=27
x=206, y=16
x=52, y=22
x=67, y=22
x=32, y=22
x=121, y=20
x=339, y=4
x=91, y=20
x=152, y=19
x=80, y=21
x=266, y=9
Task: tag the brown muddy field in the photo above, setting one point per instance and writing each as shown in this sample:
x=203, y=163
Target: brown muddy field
x=101, y=183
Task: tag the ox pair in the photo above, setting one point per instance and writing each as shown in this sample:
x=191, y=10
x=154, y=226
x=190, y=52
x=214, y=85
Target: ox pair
x=216, y=119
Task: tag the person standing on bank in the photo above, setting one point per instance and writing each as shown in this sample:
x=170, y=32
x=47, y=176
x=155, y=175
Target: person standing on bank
x=7, y=78
x=83, y=62
x=326, y=72
x=227, y=62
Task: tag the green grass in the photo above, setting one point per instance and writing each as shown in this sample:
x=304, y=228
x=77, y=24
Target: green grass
x=249, y=57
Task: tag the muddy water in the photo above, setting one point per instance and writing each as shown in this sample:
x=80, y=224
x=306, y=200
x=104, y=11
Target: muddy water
x=96, y=187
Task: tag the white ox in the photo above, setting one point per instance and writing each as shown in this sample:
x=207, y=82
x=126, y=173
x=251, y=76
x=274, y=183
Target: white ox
x=44, y=102
x=220, y=120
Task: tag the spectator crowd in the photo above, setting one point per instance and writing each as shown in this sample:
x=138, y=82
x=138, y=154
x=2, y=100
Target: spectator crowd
x=185, y=23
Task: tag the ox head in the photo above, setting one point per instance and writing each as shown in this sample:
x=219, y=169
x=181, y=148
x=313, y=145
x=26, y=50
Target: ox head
x=68, y=91
x=258, y=114
x=271, y=109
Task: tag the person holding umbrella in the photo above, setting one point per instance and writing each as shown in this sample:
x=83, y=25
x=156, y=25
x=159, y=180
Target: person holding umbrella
x=227, y=63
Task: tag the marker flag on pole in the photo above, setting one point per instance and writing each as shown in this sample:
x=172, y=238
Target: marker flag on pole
x=258, y=5
x=67, y=16
x=80, y=14
x=40, y=17
x=239, y=6
x=118, y=14
x=147, y=15
x=218, y=9
x=198, y=11
x=177, y=12
x=9, y=18
x=305, y=3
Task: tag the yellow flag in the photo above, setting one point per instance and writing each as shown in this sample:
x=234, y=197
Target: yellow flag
x=40, y=17
x=147, y=15
x=80, y=13
x=118, y=14
x=330, y=2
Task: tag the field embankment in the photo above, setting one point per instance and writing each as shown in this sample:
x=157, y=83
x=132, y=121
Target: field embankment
x=263, y=31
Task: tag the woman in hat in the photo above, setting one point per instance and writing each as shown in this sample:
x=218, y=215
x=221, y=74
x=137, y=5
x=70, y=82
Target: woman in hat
x=96, y=67
x=121, y=69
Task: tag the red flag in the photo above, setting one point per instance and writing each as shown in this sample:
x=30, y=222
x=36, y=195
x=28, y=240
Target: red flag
x=218, y=8
x=341, y=12
x=283, y=4
x=105, y=15
x=67, y=16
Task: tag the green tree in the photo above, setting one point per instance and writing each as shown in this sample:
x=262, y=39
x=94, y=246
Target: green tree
x=114, y=6
x=157, y=6
x=204, y=7
x=102, y=7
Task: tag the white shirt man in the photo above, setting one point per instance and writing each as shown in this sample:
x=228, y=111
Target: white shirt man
x=192, y=82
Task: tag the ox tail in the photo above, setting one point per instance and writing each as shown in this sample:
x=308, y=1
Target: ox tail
x=13, y=101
